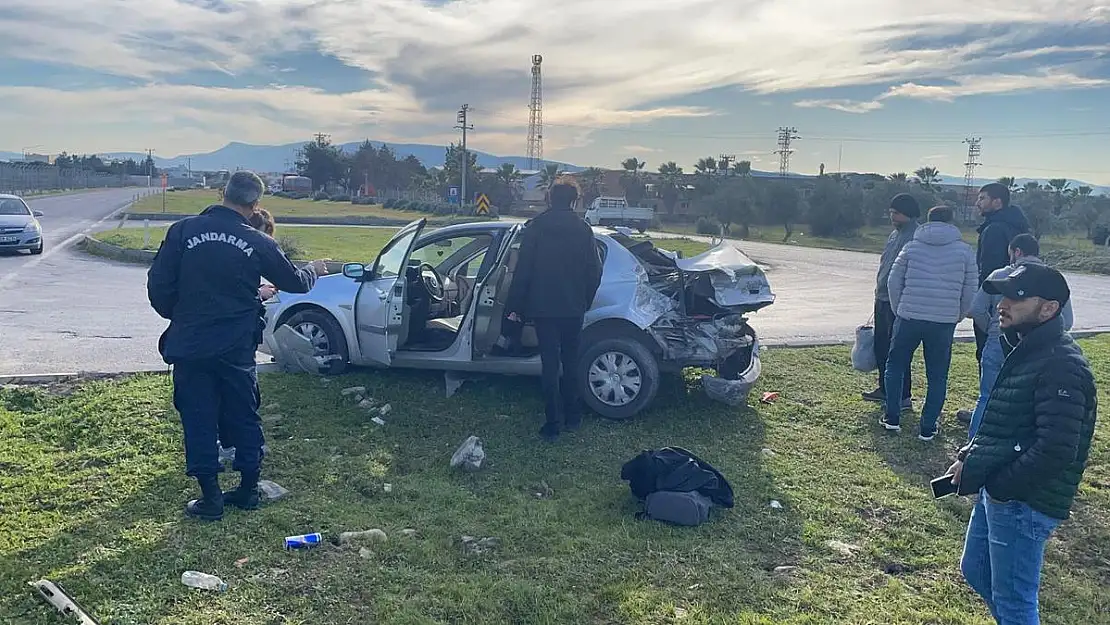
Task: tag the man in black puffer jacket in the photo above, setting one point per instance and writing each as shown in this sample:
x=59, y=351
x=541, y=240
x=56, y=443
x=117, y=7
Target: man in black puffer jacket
x=557, y=276
x=1028, y=455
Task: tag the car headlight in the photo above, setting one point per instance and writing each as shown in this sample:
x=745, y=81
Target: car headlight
x=32, y=227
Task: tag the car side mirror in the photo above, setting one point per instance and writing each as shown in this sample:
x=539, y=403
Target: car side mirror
x=37, y=214
x=354, y=271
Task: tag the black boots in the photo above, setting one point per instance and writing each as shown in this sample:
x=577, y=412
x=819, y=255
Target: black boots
x=210, y=507
x=246, y=496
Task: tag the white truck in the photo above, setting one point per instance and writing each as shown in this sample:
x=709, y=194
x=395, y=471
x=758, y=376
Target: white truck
x=615, y=211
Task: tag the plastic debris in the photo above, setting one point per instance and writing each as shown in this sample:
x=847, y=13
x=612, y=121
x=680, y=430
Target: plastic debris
x=204, y=581
x=353, y=391
x=769, y=398
x=62, y=602
x=731, y=392
x=386, y=409
x=378, y=420
x=470, y=455
x=776, y=505
x=387, y=487
x=374, y=535
x=271, y=491
x=477, y=546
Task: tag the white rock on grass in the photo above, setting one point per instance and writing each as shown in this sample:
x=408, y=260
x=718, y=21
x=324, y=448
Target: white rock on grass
x=353, y=390
x=370, y=536
x=271, y=491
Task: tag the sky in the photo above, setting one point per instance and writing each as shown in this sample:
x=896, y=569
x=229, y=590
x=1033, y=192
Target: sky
x=870, y=85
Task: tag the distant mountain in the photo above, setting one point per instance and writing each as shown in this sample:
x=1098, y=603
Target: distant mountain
x=1020, y=182
x=279, y=158
x=11, y=156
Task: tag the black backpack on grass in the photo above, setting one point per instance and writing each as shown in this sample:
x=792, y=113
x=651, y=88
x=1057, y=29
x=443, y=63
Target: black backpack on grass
x=676, y=486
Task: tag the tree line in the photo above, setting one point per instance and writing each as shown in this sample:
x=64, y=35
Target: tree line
x=92, y=162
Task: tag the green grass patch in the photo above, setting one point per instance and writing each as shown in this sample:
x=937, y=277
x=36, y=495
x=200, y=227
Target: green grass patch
x=194, y=201
x=340, y=243
x=92, y=484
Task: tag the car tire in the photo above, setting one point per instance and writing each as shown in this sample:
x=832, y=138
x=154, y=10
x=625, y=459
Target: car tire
x=318, y=323
x=37, y=250
x=641, y=375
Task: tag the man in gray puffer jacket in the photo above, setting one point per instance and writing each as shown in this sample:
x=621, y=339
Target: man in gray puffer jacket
x=931, y=288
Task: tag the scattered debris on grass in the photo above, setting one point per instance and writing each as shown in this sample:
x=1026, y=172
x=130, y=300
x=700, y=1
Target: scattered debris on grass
x=378, y=420
x=62, y=602
x=478, y=546
x=386, y=409
x=542, y=491
x=776, y=504
x=842, y=548
x=784, y=570
x=409, y=533
x=470, y=455
x=769, y=397
x=271, y=491
x=370, y=536
x=768, y=453
x=354, y=390
x=241, y=562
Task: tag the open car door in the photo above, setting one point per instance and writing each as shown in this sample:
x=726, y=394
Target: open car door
x=380, y=307
x=489, y=309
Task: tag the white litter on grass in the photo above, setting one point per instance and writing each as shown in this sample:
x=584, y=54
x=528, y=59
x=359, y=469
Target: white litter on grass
x=378, y=420
x=470, y=455
x=271, y=491
x=776, y=505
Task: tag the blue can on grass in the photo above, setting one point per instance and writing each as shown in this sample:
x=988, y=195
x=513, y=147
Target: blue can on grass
x=303, y=541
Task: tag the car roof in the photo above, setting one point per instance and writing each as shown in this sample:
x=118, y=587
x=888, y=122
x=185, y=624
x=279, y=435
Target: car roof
x=5, y=196
x=472, y=225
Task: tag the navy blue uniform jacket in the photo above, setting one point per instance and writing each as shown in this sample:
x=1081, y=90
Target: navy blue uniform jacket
x=205, y=280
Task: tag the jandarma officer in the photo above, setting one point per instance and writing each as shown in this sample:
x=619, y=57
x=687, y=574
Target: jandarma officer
x=204, y=280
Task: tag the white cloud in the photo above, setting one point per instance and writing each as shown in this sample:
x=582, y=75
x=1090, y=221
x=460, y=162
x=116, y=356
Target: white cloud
x=640, y=148
x=846, y=106
x=612, y=63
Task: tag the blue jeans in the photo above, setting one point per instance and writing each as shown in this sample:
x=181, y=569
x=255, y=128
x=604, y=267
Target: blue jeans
x=989, y=368
x=1002, y=558
x=936, y=341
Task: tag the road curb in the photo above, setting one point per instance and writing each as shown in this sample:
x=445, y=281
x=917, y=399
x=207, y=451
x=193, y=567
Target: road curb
x=53, y=378
x=96, y=247
x=340, y=220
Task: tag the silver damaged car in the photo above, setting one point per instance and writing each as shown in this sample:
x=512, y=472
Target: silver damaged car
x=19, y=226
x=436, y=300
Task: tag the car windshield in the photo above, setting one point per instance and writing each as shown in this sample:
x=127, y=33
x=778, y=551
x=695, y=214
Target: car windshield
x=13, y=207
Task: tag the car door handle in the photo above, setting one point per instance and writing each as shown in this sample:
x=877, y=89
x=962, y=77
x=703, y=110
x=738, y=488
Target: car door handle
x=382, y=295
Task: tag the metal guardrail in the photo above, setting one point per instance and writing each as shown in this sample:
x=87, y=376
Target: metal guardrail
x=29, y=178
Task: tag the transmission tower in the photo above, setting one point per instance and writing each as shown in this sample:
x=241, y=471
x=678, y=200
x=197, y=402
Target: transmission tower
x=727, y=160
x=973, y=152
x=535, y=116
x=786, y=135
x=465, y=165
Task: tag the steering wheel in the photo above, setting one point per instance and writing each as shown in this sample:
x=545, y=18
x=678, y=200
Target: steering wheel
x=432, y=281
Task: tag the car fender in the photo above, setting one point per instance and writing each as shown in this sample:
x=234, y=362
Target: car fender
x=334, y=295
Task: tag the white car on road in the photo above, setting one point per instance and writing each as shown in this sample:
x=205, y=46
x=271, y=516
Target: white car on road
x=436, y=300
x=19, y=226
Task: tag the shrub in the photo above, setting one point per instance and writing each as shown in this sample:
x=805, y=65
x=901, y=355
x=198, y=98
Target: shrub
x=401, y=204
x=707, y=225
x=289, y=244
x=281, y=194
x=321, y=196
x=655, y=223
x=445, y=209
x=341, y=197
x=390, y=203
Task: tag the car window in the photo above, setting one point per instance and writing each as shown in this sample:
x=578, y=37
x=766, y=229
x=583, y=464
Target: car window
x=392, y=259
x=464, y=253
x=11, y=206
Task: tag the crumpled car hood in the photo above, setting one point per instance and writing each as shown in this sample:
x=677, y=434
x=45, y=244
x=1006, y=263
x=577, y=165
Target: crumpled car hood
x=737, y=280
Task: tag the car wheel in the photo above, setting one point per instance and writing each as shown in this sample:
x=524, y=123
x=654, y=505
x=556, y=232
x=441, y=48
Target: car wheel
x=618, y=377
x=37, y=250
x=326, y=336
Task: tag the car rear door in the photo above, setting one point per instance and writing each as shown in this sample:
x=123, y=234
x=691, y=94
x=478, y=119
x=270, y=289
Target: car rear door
x=380, y=303
x=489, y=307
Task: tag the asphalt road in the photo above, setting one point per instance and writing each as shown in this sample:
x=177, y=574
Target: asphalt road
x=69, y=312
x=65, y=311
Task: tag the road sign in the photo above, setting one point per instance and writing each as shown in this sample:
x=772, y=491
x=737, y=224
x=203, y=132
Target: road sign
x=453, y=195
x=483, y=205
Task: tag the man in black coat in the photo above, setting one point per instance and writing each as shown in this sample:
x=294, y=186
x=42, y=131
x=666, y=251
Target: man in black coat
x=1031, y=448
x=1001, y=223
x=557, y=274
x=205, y=281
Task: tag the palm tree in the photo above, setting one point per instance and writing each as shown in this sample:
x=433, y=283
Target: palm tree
x=510, y=179
x=898, y=177
x=630, y=180
x=591, y=179
x=1060, y=187
x=706, y=166
x=671, y=175
x=1031, y=186
x=742, y=168
x=1009, y=182
x=928, y=176
x=548, y=175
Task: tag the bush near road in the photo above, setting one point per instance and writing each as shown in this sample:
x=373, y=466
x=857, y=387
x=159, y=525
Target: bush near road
x=342, y=243
x=93, y=486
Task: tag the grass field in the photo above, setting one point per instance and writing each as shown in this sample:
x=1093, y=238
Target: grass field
x=193, y=201
x=341, y=243
x=1069, y=253
x=91, y=488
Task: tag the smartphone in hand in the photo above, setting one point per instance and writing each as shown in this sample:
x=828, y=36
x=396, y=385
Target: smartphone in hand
x=943, y=486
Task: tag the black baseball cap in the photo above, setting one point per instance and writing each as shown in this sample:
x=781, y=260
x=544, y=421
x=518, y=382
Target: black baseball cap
x=1029, y=280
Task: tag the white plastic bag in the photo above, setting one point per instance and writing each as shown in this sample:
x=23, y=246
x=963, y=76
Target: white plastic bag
x=863, y=352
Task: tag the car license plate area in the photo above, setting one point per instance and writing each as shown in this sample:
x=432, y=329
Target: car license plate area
x=8, y=239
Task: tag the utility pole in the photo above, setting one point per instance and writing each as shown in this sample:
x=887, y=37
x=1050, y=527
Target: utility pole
x=462, y=125
x=149, y=166
x=728, y=160
x=973, y=152
x=786, y=135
